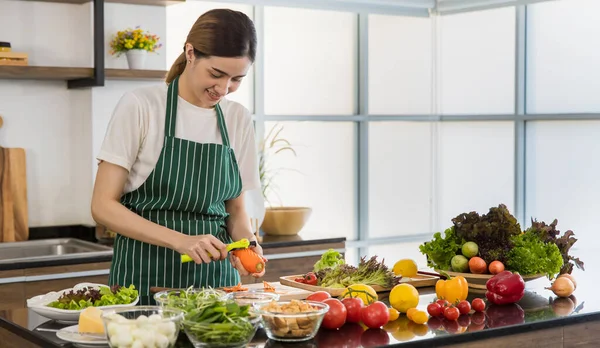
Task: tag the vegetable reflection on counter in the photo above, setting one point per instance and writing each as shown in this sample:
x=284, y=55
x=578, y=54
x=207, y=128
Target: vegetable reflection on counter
x=539, y=249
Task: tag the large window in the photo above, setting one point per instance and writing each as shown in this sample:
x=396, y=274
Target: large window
x=400, y=123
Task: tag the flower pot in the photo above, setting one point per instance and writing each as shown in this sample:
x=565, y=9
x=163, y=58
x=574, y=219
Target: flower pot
x=136, y=59
x=285, y=221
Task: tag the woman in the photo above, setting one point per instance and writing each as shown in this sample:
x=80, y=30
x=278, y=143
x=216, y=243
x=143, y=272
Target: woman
x=175, y=163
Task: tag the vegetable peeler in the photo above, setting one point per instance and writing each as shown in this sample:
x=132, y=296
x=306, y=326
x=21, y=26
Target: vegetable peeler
x=240, y=244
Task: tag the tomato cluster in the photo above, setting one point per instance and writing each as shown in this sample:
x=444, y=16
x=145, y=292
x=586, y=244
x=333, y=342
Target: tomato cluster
x=351, y=310
x=309, y=278
x=459, y=317
x=352, y=321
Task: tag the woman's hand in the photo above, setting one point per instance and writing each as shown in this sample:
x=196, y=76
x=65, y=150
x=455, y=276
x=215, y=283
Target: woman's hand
x=202, y=249
x=237, y=264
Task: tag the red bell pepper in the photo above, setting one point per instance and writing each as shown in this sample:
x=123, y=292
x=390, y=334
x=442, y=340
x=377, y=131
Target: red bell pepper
x=505, y=287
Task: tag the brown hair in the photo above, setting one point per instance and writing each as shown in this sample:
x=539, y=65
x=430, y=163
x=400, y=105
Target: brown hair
x=221, y=33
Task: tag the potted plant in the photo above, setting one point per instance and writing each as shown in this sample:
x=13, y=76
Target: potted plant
x=278, y=220
x=136, y=44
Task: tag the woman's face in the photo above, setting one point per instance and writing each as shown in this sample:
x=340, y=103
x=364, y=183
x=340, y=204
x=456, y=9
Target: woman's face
x=212, y=78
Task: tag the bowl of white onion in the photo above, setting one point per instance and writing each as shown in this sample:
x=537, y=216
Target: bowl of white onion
x=142, y=326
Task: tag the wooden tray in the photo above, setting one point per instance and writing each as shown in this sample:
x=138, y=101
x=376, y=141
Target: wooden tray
x=477, y=281
x=419, y=281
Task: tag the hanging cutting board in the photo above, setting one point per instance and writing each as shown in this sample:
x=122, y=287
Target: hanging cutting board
x=13, y=195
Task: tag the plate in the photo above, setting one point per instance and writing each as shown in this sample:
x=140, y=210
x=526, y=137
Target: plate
x=477, y=281
x=38, y=304
x=71, y=334
x=420, y=280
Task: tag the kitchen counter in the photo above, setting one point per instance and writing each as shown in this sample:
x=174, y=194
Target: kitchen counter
x=270, y=244
x=545, y=321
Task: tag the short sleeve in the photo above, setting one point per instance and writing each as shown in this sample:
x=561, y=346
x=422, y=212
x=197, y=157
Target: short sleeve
x=124, y=134
x=247, y=156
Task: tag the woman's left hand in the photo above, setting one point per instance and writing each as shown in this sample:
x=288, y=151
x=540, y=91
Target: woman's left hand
x=237, y=264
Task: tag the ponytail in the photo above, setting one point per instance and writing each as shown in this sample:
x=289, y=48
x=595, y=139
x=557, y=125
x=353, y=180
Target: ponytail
x=177, y=68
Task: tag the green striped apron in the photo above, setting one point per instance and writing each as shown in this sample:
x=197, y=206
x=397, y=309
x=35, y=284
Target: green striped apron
x=185, y=192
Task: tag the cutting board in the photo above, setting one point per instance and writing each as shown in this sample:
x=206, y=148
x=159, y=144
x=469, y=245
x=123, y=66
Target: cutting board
x=13, y=195
x=285, y=292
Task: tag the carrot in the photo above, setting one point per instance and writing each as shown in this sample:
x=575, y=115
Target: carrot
x=236, y=288
x=251, y=261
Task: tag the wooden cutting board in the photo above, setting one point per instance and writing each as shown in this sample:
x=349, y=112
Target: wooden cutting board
x=14, y=224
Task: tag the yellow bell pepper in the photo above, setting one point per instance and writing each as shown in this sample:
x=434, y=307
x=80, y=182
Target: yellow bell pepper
x=452, y=290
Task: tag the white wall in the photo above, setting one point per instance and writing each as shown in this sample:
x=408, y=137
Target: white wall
x=61, y=129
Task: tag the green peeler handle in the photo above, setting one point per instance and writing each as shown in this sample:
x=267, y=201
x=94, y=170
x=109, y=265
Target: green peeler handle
x=240, y=244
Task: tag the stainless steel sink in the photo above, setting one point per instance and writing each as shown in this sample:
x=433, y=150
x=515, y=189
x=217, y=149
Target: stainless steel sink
x=50, y=249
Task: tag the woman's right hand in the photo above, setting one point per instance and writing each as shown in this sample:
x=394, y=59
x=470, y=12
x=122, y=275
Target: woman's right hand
x=202, y=249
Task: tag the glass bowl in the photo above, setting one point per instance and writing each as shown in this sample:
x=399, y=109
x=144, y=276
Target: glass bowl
x=180, y=299
x=292, y=321
x=146, y=326
x=252, y=298
x=221, y=335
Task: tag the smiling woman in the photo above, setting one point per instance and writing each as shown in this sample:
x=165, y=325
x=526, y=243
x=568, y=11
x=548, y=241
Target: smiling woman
x=175, y=163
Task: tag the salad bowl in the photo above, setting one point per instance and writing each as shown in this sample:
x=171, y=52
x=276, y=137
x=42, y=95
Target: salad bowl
x=40, y=304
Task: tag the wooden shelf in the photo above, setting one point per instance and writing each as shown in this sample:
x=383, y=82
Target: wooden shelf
x=62, y=73
x=131, y=2
x=126, y=74
x=43, y=73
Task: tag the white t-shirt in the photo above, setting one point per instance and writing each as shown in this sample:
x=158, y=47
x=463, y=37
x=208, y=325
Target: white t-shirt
x=135, y=134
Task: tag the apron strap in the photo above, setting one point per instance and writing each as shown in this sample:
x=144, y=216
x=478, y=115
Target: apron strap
x=171, y=118
x=222, y=126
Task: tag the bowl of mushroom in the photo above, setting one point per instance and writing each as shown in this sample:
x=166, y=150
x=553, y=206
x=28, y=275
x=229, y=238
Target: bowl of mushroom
x=292, y=321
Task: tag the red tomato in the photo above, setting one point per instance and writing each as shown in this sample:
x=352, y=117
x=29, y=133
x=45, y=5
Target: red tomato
x=336, y=316
x=318, y=296
x=375, y=315
x=442, y=303
x=434, y=309
x=374, y=338
x=354, y=308
x=451, y=313
x=478, y=305
x=464, y=307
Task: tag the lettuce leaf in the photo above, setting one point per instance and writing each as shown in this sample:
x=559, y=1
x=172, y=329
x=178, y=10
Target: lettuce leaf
x=92, y=297
x=440, y=251
x=329, y=259
x=530, y=255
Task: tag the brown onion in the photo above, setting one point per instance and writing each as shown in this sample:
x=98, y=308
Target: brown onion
x=562, y=287
x=570, y=276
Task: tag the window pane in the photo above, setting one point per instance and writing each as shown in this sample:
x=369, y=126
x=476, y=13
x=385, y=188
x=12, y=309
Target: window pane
x=476, y=168
x=562, y=176
x=400, y=174
x=399, y=73
x=310, y=64
x=562, y=67
x=180, y=19
x=391, y=253
x=321, y=176
x=478, y=62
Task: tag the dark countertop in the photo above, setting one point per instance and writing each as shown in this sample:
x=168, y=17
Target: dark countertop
x=87, y=234
x=540, y=307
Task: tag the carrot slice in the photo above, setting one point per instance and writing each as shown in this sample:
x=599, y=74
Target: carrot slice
x=268, y=287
